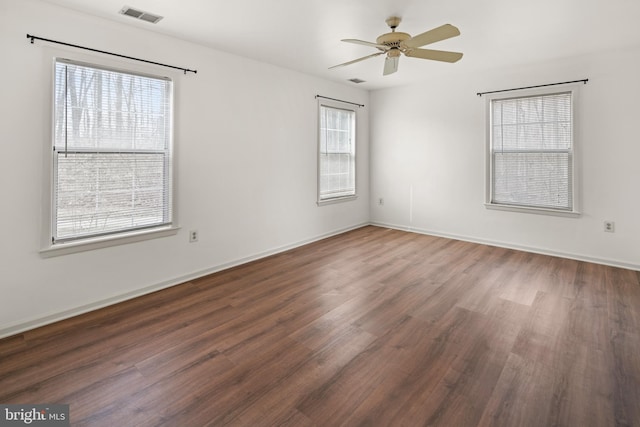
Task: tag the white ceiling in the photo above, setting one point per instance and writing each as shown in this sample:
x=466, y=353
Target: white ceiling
x=304, y=35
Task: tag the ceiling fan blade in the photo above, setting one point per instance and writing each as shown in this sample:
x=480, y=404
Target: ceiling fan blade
x=357, y=60
x=435, y=55
x=443, y=32
x=365, y=43
x=390, y=65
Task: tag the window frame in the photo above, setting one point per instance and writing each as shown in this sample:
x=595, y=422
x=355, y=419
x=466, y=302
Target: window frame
x=346, y=107
x=574, y=186
x=48, y=247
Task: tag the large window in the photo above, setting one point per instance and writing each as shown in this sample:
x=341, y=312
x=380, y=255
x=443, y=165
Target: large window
x=337, y=153
x=111, y=153
x=531, y=152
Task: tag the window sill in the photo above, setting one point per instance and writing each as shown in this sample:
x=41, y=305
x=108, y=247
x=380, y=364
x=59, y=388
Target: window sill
x=538, y=211
x=105, y=242
x=336, y=200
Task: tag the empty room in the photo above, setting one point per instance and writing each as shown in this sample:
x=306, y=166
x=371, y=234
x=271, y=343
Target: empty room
x=320, y=213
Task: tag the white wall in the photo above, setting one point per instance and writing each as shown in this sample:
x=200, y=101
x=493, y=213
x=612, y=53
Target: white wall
x=429, y=140
x=246, y=165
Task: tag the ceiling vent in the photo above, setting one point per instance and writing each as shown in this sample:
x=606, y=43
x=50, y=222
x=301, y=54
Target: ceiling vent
x=356, y=80
x=140, y=14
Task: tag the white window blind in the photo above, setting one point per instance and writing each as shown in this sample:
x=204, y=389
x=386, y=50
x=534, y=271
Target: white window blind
x=532, y=151
x=337, y=153
x=111, y=152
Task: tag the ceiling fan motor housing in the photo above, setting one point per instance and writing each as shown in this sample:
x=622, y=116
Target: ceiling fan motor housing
x=393, y=39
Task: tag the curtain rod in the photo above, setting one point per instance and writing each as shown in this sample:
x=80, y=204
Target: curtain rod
x=29, y=36
x=340, y=100
x=531, y=87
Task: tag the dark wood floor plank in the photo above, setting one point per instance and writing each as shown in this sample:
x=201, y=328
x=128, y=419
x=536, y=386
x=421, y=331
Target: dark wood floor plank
x=523, y=285
x=558, y=276
x=240, y=388
x=541, y=330
x=327, y=360
x=393, y=307
x=623, y=301
x=490, y=277
x=383, y=405
x=588, y=399
x=371, y=327
x=445, y=297
x=112, y=316
x=626, y=378
x=340, y=395
x=124, y=346
x=151, y=402
x=521, y=397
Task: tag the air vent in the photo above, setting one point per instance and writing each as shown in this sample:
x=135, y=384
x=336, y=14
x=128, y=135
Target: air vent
x=356, y=80
x=140, y=14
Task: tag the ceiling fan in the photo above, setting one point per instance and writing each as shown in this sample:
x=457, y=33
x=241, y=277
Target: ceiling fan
x=396, y=43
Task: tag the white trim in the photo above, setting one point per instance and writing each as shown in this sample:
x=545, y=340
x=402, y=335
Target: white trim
x=539, y=211
x=39, y=321
x=336, y=200
x=110, y=68
x=106, y=241
x=509, y=245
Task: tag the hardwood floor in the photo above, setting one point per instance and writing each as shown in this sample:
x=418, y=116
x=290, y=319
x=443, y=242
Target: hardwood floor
x=373, y=327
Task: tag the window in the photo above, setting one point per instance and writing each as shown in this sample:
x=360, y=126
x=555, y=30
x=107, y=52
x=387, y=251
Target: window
x=531, y=152
x=111, y=153
x=337, y=153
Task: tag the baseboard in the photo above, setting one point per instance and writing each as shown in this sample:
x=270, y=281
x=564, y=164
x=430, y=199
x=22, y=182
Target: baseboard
x=24, y=326
x=508, y=245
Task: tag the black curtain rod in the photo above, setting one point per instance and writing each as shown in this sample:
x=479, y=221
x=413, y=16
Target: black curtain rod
x=531, y=87
x=29, y=36
x=339, y=100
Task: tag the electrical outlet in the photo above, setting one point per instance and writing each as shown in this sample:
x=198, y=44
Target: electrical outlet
x=193, y=236
x=609, y=226
x=380, y=201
